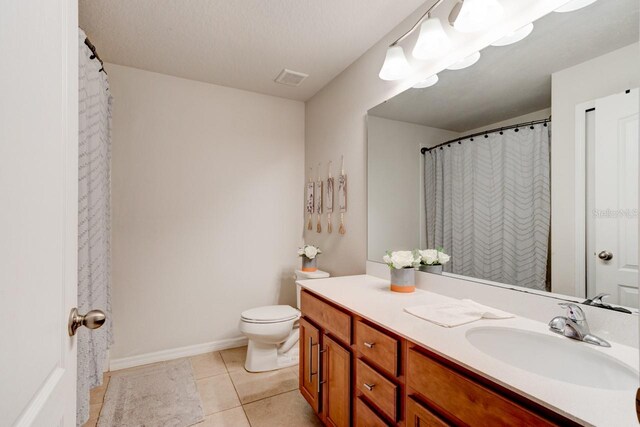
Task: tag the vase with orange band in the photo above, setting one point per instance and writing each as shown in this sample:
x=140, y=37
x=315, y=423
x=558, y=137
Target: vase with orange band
x=309, y=265
x=403, y=280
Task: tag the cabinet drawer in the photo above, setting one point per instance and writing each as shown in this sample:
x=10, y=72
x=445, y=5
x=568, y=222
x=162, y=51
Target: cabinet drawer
x=378, y=347
x=333, y=320
x=419, y=416
x=365, y=417
x=463, y=398
x=379, y=390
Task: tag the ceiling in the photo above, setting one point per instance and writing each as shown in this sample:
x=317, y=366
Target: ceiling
x=241, y=43
x=515, y=80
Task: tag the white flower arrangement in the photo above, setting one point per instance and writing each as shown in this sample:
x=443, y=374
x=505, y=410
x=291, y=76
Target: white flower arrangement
x=402, y=259
x=433, y=257
x=309, y=251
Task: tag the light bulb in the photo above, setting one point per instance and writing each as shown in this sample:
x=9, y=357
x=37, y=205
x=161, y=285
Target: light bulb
x=428, y=82
x=395, y=65
x=465, y=62
x=514, y=36
x=469, y=16
x=574, y=5
x=432, y=41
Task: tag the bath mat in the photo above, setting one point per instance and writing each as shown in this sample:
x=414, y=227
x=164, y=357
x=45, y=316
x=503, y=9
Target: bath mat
x=159, y=395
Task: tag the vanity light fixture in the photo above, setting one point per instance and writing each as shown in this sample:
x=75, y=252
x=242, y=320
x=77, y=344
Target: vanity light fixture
x=428, y=82
x=432, y=41
x=466, y=16
x=514, y=36
x=395, y=65
x=574, y=5
x=469, y=16
x=465, y=62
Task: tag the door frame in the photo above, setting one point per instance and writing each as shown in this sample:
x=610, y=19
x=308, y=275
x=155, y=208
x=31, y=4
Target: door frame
x=580, y=201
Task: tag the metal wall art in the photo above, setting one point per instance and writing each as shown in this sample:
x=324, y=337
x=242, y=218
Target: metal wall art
x=310, y=201
x=342, y=197
x=318, y=201
x=329, y=204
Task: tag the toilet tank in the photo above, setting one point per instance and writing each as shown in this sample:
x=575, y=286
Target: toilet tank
x=304, y=275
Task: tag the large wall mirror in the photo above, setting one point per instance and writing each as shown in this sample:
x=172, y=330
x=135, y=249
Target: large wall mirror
x=523, y=167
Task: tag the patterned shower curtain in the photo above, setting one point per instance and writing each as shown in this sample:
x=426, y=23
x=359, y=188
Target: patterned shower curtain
x=94, y=222
x=488, y=205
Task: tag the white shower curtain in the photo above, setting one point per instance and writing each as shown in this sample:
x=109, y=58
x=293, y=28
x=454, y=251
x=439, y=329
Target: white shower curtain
x=94, y=221
x=488, y=205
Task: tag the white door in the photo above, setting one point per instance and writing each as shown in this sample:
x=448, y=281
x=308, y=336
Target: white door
x=38, y=210
x=615, y=251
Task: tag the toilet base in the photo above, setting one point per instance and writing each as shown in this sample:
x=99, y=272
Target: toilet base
x=267, y=357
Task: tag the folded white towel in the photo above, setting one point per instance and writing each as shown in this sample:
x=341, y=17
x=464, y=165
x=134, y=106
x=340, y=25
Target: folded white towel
x=456, y=312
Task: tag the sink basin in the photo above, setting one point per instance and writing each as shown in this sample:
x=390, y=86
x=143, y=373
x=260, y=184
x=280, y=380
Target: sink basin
x=554, y=357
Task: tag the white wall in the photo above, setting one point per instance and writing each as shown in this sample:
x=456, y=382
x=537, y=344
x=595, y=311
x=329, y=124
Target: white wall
x=395, y=184
x=335, y=119
x=602, y=76
x=206, y=199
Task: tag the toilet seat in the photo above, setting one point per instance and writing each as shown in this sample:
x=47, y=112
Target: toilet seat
x=270, y=314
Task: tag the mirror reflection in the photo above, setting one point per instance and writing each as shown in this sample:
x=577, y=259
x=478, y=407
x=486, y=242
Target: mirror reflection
x=522, y=166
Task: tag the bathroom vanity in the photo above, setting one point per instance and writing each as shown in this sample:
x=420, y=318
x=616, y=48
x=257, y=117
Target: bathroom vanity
x=366, y=362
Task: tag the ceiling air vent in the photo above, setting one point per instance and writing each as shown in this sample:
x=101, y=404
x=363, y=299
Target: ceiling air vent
x=290, y=78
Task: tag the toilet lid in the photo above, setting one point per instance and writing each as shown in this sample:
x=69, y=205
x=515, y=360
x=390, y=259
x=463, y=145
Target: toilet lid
x=270, y=314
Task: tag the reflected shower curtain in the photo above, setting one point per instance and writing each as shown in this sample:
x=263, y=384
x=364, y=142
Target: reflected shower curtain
x=94, y=221
x=488, y=205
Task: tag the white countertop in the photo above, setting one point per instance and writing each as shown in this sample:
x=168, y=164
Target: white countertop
x=369, y=297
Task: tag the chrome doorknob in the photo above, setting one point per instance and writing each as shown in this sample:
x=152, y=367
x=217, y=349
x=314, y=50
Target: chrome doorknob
x=92, y=320
x=605, y=256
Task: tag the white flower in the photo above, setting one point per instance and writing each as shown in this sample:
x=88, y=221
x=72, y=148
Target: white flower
x=400, y=259
x=429, y=256
x=310, y=251
x=443, y=258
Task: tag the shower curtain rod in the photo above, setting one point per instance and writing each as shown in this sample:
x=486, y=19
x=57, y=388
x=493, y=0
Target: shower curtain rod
x=486, y=133
x=92, y=48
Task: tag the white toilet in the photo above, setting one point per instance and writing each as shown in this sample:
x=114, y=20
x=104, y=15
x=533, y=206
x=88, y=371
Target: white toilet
x=273, y=332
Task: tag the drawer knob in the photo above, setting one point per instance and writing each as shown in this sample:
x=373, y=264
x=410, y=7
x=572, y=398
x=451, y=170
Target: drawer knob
x=369, y=386
x=369, y=344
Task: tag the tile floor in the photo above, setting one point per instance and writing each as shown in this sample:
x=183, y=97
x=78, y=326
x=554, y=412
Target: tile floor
x=233, y=397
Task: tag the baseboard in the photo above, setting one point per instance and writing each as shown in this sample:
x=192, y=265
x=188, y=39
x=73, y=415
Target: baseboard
x=175, y=353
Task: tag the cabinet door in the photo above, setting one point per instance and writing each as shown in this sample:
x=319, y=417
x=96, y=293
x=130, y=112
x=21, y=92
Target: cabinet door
x=309, y=364
x=420, y=416
x=336, y=374
x=365, y=417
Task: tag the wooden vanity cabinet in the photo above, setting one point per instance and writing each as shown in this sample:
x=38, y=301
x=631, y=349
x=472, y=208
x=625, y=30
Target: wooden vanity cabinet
x=309, y=358
x=356, y=373
x=463, y=400
x=419, y=415
x=325, y=360
x=336, y=379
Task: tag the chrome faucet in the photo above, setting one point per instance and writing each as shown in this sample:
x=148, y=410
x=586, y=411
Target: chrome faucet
x=574, y=325
x=597, y=301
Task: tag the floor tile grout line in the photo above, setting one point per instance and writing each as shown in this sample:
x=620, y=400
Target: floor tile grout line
x=210, y=376
x=269, y=397
x=235, y=389
x=246, y=416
